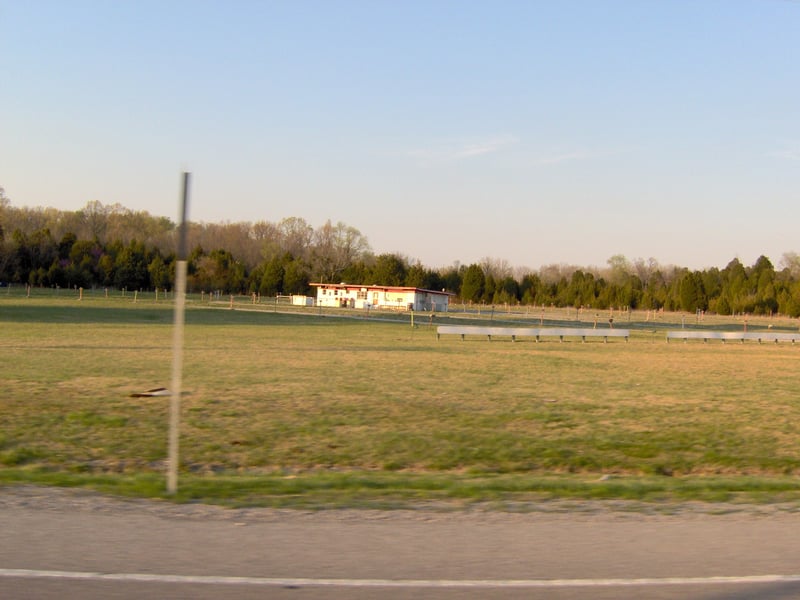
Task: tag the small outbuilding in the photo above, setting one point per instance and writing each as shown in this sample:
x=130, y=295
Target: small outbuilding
x=345, y=295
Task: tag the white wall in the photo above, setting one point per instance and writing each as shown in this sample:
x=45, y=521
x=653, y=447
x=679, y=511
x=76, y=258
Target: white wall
x=382, y=299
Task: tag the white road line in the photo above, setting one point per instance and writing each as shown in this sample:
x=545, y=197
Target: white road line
x=397, y=583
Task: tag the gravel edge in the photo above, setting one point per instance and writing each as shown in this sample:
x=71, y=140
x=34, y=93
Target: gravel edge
x=44, y=498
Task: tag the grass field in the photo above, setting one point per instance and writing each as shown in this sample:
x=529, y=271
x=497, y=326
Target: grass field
x=308, y=410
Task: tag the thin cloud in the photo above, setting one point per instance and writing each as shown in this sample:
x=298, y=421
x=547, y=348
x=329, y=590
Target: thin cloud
x=562, y=158
x=576, y=155
x=485, y=147
x=792, y=152
x=463, y=149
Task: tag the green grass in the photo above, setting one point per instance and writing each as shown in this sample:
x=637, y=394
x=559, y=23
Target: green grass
x=305, y=410
x=441, y=491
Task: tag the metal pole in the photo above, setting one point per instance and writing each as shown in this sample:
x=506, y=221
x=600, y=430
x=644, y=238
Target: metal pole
x=177, y=344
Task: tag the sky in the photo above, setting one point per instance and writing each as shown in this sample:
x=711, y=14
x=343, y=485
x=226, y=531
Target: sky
x=527, y=131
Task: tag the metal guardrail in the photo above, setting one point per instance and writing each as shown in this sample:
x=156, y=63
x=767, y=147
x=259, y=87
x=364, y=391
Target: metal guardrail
x=538, y=333
x=759, y=336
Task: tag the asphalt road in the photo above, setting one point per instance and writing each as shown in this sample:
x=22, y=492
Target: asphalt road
x=62, y=544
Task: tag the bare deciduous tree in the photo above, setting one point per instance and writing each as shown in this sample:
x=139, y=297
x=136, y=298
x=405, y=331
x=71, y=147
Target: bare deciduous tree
x=336, y=247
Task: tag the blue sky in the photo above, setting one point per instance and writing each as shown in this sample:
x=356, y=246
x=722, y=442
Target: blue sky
x=534, y=132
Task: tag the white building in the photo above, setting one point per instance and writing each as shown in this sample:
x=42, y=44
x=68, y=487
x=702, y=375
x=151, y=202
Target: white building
x=345, y=295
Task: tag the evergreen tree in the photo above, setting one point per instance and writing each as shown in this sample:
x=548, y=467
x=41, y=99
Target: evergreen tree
x=451, y=279
x=160, y=273
x=272, y=279
x=130, y=268
x=295, y=277
x=692, y=296
x=489, y=288
x=389, y=269
x=472, y=285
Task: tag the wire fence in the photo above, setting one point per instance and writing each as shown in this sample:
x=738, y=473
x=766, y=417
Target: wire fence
x=525, y=315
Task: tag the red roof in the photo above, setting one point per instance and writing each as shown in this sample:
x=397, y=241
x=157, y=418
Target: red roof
x=385, y=288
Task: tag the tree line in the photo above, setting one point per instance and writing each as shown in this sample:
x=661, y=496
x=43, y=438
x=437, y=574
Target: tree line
x=110, y=246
